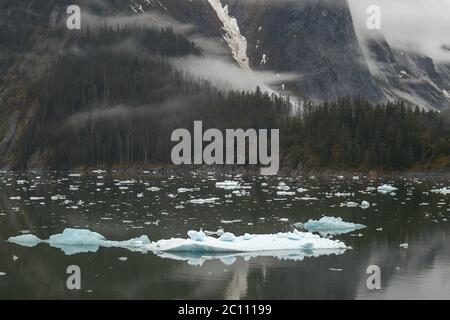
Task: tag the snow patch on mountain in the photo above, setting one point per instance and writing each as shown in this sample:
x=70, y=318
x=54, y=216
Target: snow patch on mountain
x=233, y=37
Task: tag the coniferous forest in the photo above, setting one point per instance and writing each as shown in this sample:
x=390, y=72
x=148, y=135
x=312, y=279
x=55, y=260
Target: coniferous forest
x=111, y=97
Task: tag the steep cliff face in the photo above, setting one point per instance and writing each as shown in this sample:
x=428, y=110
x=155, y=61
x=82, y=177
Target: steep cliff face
x=315, y=39
x=408, y=76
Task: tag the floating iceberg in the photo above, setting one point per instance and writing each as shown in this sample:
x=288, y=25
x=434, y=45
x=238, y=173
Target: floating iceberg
x=73, y=241
x=386, y=188
x=227, y=185
x=443, y=191
x=365, y=205
x=76, y=237
x=26, y=240
x=349, y=204
x=204, y=201
x=331, y=226
x=250, y=243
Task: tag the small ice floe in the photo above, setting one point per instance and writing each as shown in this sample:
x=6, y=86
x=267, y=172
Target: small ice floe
x=443, y=191
x=404, y=246
x=309, y=198
x=230, y=221
x=37, y=198
x=335, y=270
x=14, y=258
x=365, y=205
x=227, y=185
x=227, y=236
x=386, y=188
x=285, y=193
x=74, y=175
x=185, y=190
x=301, y=190
x=123, y=259
x=57, y=197
x=26, y=240
x=204, y=201
x=196, y=235
x=2, y=274
x=343, y=194
x=153, y=189
x=349, y=204
x=15, y=198
x=331, y=226
x=140, y=195
x=283, y=187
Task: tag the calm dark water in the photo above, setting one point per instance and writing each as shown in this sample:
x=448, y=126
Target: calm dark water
x=121, y=209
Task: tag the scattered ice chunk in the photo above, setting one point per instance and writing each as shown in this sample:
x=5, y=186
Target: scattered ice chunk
x=78, y=238
x=349, y=204
x=227, y=236
x=184, y=190
x=404, y=246
x=196, y=235
x=203, y=201
x=283, y=187
x=443, y=191
x=2, y=274
x=227, y=185
x=301, y=190
x=332, y=226
x=285, y=193
x=26, y=240
x=15, y=198
x=365, y=205
x=247, y=236
x=230, y=221
x=123, y=259
x=386, y=188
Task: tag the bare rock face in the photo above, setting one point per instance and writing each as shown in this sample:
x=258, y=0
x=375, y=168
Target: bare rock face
x=315, y=39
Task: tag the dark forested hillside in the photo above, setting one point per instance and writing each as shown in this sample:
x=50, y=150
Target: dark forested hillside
x=353, y=134
x=110, y=95
x=102, y=102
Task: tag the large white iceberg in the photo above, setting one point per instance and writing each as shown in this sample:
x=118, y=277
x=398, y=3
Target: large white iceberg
x=250, y=243
x=73, y=241
x=332, y=226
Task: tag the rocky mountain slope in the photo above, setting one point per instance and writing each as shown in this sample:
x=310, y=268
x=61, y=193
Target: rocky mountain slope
x=315, y=40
